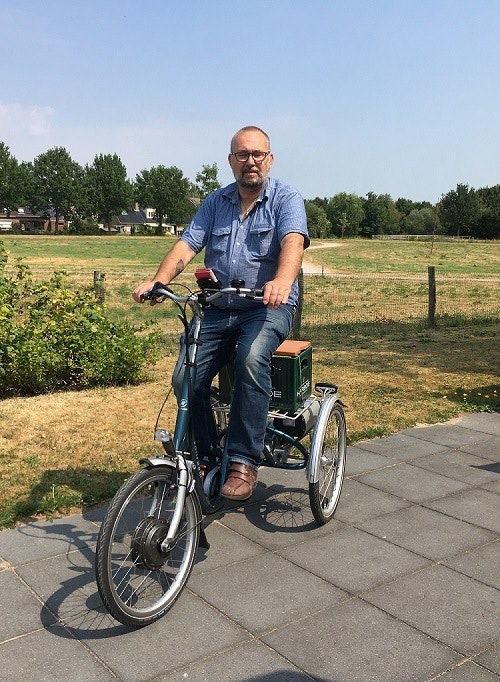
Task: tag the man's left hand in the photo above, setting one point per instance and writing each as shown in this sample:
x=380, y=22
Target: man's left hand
x=276, y=292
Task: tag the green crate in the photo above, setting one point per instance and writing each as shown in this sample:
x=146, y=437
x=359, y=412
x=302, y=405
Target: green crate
x=291, y=377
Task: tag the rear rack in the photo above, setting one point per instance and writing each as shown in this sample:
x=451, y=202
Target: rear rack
x=276, y=414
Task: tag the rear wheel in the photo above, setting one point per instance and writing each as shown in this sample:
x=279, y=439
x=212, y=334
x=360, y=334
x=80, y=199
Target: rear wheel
x=328, y=456
x=221, y=416
x=138, y=581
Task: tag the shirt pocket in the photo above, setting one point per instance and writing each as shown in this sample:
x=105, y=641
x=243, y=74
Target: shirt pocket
x=219, y=239
x=261, y=237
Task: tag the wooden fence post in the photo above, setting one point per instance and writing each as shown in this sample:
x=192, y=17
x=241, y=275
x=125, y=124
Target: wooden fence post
x=431, y=311
x=99, y=286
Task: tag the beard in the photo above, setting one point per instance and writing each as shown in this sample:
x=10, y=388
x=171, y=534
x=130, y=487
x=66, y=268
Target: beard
x=256, y=181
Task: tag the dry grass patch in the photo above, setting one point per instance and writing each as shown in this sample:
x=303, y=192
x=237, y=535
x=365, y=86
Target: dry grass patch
x=68, y=450
x=409, y=376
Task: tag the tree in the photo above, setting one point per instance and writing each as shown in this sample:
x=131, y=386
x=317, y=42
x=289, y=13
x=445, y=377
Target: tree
x=56, y=183
x=24, y=182
x=490, y=196
x=459, y=210
x=110, y=191
x=317, y=221
x=381, y=215
x=11, y=184
x=488, y=225
x=167, y=191
x=405, y=206
x=412, y=220
x=87, y=205
x=345, y=213
x=421, y=221
x=322, y=203
x=207, y=180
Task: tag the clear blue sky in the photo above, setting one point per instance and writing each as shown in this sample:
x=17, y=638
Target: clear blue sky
x=391, y=96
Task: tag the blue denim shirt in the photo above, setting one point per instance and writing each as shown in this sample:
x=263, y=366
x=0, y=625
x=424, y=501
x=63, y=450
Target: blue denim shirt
x=247, y=249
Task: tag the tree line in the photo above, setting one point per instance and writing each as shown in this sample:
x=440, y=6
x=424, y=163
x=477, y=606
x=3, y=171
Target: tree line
x=56, y=184
x=101, y=190
x=462, y=212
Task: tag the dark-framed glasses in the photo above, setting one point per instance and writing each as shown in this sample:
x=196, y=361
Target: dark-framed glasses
x=256, y=155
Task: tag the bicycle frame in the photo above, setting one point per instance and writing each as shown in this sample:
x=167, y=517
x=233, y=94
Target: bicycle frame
x=271, y=461
x=182, y=447
x=183, y=421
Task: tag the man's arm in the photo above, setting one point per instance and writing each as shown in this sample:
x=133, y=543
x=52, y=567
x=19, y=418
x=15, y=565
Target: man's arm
x=172, y=265
x=278, y=289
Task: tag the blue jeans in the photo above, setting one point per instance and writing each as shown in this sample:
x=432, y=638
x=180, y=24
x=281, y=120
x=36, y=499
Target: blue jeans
x=255, y=333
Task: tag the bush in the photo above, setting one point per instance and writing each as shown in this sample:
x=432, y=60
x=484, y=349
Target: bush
x=83, y=227
x=53, y=337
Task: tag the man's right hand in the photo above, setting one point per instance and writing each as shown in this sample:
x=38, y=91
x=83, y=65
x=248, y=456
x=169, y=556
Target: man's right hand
x=141, y=289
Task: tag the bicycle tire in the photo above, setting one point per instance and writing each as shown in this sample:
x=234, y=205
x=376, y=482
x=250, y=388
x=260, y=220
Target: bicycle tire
x=137, y=582
x=328, y=457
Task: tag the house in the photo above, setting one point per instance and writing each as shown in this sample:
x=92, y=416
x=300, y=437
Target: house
x=26, y=220
x=5, y=223
x=128, y=221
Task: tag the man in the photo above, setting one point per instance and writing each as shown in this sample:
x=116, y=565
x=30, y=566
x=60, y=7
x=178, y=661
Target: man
x=254, y=230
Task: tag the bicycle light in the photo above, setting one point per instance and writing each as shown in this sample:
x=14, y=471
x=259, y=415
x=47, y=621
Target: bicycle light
x=206, y=278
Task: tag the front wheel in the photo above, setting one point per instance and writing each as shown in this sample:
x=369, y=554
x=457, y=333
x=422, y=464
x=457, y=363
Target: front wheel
x=138, y=581
x=328, y=456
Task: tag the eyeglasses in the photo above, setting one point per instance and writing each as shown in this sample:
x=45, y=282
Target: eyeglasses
x=257, y=156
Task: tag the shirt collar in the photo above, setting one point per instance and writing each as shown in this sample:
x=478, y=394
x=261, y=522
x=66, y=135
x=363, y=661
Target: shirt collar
x=231, y=192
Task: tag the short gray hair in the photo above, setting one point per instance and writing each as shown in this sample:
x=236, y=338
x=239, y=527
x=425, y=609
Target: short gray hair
x=252, y=129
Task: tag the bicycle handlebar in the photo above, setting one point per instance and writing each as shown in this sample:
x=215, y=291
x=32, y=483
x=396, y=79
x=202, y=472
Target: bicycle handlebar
x=159, y=292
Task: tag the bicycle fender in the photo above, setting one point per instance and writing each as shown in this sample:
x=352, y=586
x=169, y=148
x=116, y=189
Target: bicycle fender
x=312, y=465
x=151, y=462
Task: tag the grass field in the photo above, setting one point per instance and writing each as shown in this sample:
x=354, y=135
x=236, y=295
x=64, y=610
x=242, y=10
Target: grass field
x=67, y=450
x=141, y=255
x=450, y=258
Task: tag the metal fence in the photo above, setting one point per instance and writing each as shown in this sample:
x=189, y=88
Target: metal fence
x=351, y=299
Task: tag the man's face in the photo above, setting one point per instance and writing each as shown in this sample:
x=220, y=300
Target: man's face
x=250, y=173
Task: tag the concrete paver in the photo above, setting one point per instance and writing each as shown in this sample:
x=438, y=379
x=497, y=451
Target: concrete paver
x=446, y=605
x=403, y=584
x=357, y=641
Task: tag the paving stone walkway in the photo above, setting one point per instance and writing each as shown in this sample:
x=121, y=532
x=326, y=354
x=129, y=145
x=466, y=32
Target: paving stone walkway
x=403, y=584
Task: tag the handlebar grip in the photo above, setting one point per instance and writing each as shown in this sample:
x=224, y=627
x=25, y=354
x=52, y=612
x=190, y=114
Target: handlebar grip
x=153, y=293
x=255, y=293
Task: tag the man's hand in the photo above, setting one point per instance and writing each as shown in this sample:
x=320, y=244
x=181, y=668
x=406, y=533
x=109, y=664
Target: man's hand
x=141, y=289
x=276, y=292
